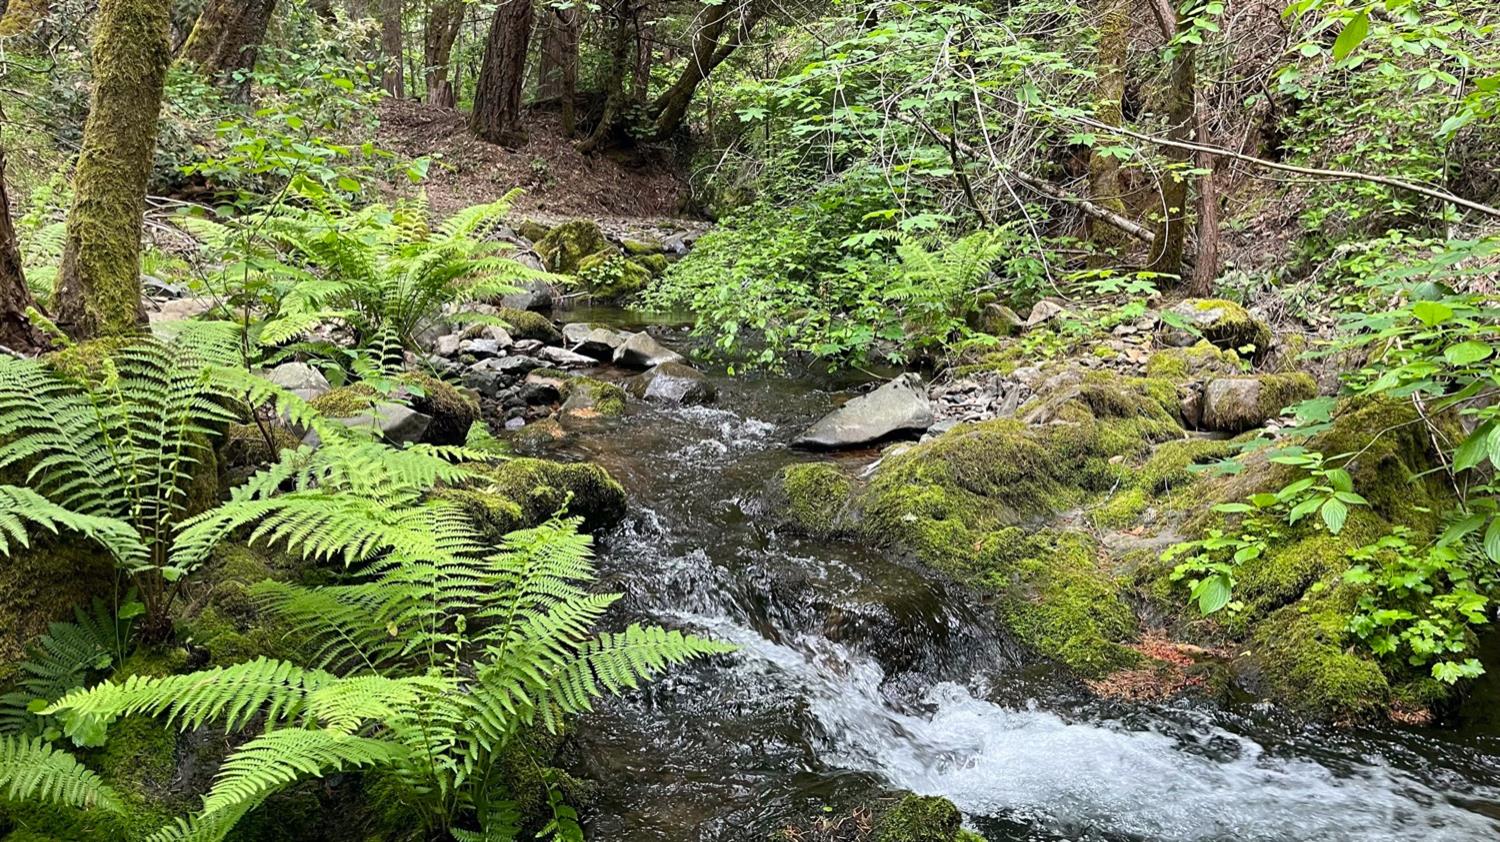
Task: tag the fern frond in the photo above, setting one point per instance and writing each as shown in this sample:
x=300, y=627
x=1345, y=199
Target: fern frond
x=32, y=770
x=276, y=759
x=22, y=507
x=616, y=662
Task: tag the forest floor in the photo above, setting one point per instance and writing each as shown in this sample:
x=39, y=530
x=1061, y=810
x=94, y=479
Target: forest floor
x=559, y=180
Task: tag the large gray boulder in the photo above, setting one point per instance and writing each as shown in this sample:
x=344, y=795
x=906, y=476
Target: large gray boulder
x=393, y=422
x=672, y=382
x=300, y=378
x=900, y=407
x=641, y=351
x=601, y=343
x=1224, y=323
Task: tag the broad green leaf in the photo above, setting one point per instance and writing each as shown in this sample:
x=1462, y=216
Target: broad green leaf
x=1475, y=448
x=1432, y=313
x=1492, y=540
x=1335, y=513
x=1352, y=35
x=1467, y=353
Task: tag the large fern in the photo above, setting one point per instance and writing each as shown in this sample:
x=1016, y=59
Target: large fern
x=439, y=648
x=384, y=271
x=32, y=770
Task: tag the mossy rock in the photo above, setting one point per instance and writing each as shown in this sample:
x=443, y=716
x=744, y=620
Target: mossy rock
x=91, y=363
x=524, y=324
x=1225, y=324
x=532, y=230
x=43, y=583
x=533, y=490
x=246, y=448
x=563, y=247
x=1307, y=661
x=453, y=409
x=588, y=398
x=227, y=624
x=345, y=401
x=1196, y=362
x=1392, y=458
x=818, y=497
x=638, y=248
x=920, y=818
x=656, y=264
x=609, y=276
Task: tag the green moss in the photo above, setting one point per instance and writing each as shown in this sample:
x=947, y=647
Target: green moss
x=90, y=363
x=656, y=264
x=1278, y=391
x=244, y=447
x=43, y=583
x=345, y=401
x=1058, y=601
x=1307, y=661
x=818, y=495
x=524, y=324
x=642, y=247
x=1392, y=454
x=1122, y=510
x=540, y=488
x=532, y=230
x=1168, y=467
x=918, y=818
x=563, y=247
x=1182, y=365
x=492, y=513
x=453, y=410
x=588, y=397
x=1231, y=327
x=1290, y=567
x=608, y=276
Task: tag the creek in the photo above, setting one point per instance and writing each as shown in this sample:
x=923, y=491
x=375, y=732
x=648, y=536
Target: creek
x=860, y=676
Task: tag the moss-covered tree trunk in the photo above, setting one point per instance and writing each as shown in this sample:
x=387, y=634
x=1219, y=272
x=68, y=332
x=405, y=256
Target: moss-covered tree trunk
x=438, y=35
x=16, y=331
x=497, y=97
x=226, y=39
x=99, y=285
x=18, y=16
x=1105, y=187
x=1171, y=223
x=392, y=48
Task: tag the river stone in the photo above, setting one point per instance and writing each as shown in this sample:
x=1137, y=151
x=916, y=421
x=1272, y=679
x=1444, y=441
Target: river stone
x=998, y=320
x=301, y=379
x=672, y=382
x=601, y=343
x=565, y=358
x=575, y=332
x=899, y=407
x=1237, y=404
x=1223, y=323
x=641, y=351
x=395, y=423
x=534, y=295
x=1044, y=311
x=447, y=346
x=480, y=348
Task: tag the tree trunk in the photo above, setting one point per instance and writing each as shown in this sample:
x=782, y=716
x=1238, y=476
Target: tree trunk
x=99, y=284
x=614, y=80
x=16, y=331
x=1105, y=188
x=1186, y=119
x=497, y=95
x=640, y=85
x=20, y=16
x=443, y=20
x=557, y=63
x=671, y=107
x=393, y=79
x=227, y=37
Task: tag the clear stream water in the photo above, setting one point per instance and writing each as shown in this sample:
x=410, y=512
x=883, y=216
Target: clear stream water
x=859, y=677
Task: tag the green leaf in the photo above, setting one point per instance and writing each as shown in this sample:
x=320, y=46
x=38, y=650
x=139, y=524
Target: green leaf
x=1352, y=35
x=1475, y=448
x=1467, y=353
x=1212, y=594
x=1431, y=313
x=1335, y=513
x=1492, y=540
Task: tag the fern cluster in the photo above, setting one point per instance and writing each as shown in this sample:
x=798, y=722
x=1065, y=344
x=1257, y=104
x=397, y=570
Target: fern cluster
x=385, y=272
x=429, y=661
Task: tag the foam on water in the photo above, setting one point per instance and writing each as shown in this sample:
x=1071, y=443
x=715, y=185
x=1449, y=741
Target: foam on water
x=1097, y=777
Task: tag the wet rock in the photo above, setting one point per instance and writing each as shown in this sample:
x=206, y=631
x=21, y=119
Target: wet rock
x=489, y=377
x=538, y=393
x=565, y=358
x=528, y=346
x=642, y=351
x=680, y=243
x=534, y=295
x=672, y=382
x=300, y=378
x=575, y=332
x=899, y=407
x=481, y=348
x=601, y=343
x=1224, y=323
x=589, y=398
x=1236, y=404
x=393, y=422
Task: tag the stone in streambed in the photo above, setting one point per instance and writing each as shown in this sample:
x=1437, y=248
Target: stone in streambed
x=565, y=358
x=601, y=343
x=641, y=351
x=300, y=378
x=672, y=382
x=899, y=407
x=1237, y=404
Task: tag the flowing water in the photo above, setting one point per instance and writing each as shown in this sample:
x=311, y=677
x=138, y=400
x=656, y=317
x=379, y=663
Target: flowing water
x=859, y=677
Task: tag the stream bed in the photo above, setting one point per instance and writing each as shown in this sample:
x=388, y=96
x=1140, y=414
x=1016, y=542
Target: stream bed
x=860, y=677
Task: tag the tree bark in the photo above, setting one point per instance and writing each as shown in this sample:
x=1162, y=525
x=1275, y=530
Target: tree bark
x=497, y=95
x=393, y=78
x=671, y=107
x=614, y=80
x=227, y=37
x=99, y=284
x=1184, y=120
x=645, y=37
x=557, y=62
x=16, y=331
x=1105, y=188
x=443, y=20
x=20, y=16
